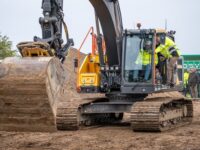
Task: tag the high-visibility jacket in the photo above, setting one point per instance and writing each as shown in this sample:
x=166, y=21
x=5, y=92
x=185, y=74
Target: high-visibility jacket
x=145, y=58
x=186, y=77
x=168, y=48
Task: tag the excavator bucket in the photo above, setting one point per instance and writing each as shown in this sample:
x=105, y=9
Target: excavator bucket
x=30, y=89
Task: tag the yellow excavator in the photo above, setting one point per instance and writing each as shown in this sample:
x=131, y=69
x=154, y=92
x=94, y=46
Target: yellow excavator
x=32, y=94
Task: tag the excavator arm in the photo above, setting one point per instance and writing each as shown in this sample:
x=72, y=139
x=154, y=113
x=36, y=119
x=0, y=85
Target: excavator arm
x=109, y=14
x=107, y=74
x=51, y=25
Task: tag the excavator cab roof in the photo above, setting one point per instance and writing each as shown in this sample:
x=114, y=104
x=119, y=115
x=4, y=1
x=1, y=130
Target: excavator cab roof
x=141, y=31
x=145, y=31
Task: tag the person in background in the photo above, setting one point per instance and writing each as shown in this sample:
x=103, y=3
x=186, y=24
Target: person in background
x=198, y=72
x=186, y=77
x=193, y=82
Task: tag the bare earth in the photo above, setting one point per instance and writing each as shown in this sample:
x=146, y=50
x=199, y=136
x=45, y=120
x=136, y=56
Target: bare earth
x=116, y=137
x=107, y=138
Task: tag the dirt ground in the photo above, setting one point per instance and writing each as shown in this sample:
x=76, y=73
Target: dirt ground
x=116, y=137
x=107, y=138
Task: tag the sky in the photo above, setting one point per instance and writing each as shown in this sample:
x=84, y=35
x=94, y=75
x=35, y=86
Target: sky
x=19, y=19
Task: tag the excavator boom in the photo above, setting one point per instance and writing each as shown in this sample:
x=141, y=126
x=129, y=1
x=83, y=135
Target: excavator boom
x=109, y=14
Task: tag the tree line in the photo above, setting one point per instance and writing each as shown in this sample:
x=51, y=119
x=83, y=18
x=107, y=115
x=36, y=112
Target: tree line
x=6, y=47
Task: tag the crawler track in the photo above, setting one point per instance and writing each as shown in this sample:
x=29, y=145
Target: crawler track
x=69, y=117
x=161, y=114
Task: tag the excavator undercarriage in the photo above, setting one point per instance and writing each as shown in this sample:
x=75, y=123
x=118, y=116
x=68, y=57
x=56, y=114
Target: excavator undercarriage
x=155, y=113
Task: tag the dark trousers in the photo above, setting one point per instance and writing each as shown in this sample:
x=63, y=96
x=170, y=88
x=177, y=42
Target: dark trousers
x=194, y=91
x=186, y=90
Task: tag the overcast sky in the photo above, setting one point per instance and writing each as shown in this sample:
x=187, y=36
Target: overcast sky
x=19, y=19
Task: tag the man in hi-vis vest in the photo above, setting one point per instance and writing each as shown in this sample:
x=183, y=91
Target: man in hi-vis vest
x=170, y=52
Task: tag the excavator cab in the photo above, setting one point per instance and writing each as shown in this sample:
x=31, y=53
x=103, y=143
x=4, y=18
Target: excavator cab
x=138, y=57
x=142, y=69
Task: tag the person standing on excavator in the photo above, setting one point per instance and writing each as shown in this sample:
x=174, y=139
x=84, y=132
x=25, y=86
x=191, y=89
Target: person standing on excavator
x=171, y=53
